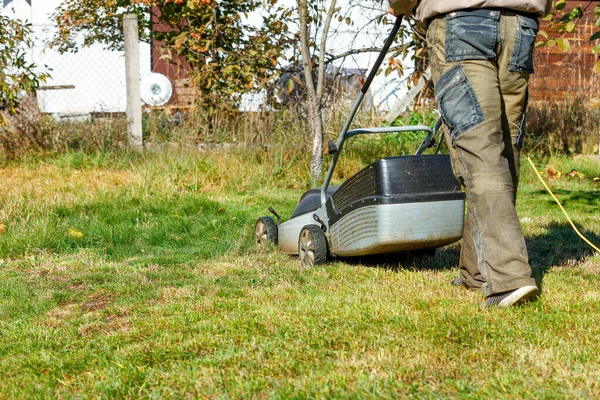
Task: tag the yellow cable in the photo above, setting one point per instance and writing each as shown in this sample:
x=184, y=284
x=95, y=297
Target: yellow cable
x=561, y=207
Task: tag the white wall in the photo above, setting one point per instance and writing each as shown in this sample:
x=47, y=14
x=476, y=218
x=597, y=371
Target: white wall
x=97, y=74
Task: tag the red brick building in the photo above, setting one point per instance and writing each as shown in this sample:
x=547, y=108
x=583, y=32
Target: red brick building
x=566, y=76
x=172, y=66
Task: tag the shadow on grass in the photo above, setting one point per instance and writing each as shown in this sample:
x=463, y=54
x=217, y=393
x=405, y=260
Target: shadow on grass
x=425, y=260
x=558, y=245
x=586, y=201
x=579, y=197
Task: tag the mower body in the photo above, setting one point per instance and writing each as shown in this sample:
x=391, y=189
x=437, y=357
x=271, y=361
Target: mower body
x=395, y=204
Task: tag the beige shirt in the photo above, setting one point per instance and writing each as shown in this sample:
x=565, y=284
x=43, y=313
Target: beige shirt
x=426, y=9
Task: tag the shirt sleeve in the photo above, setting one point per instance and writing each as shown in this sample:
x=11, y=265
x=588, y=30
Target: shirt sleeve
x=404, y=7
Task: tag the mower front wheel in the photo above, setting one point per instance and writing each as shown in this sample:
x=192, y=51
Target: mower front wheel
x=312, y=246
x=265, y=231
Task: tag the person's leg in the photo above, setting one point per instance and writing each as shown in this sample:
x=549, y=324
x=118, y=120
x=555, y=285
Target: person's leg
x=468, y=91
x=469, y=274
x=518, y=33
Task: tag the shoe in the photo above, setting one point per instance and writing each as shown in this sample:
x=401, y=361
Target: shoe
x=458, y=281
x=512, y=297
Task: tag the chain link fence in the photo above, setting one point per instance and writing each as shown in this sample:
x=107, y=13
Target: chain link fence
x=90, y=81
x=386, y=90
x=93, y=79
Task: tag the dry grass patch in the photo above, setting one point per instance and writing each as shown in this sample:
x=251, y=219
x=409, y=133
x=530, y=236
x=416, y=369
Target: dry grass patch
x=60, y=316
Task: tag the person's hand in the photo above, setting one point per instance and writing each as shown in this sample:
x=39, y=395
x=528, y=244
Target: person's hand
x=391, y=11
x=401, y=7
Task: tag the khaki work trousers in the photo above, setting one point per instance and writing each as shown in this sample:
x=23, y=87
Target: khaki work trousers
x=480, y=63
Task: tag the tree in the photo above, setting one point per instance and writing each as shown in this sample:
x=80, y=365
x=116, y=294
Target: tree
x=314, y=93
x=17, y=75
x=565, y=22
x=315, y=56
x=228, y=56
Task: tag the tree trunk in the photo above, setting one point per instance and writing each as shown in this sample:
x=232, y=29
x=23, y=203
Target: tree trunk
x=314, y=109
x=314, y=96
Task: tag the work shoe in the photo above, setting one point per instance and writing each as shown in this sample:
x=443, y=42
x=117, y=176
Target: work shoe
x=512, y=297
x=458, y=281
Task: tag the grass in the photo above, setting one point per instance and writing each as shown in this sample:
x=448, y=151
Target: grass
x=135, y=276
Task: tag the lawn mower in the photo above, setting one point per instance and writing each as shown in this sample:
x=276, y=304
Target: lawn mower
x=396, y=204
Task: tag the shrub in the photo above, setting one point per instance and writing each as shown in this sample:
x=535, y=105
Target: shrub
x=17, y=75
x=563, y=128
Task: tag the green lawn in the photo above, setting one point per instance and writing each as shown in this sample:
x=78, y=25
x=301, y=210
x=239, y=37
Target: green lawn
x=127, y=276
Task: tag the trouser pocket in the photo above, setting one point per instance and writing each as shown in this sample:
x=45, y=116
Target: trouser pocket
x=526, y=32
x=457, y=102
x=472, y=35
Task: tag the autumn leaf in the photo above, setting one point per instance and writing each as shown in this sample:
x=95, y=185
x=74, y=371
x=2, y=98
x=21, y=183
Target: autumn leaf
x=553, y=174
x=2, y=228
x=575, y=174
x=563, y=44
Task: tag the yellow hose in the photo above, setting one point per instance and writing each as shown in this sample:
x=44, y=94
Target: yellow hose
x=561, y=207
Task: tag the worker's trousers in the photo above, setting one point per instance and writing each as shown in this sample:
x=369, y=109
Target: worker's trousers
x=480, y=64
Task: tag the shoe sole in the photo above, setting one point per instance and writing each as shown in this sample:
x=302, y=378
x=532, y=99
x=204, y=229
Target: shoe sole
x=519, y=296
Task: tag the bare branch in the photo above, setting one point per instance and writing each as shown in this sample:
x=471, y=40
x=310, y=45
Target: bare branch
x=334, y=57
x=304, y=48
x=321, y=73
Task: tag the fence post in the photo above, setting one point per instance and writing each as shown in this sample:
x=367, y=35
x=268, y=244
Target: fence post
x=132, y=79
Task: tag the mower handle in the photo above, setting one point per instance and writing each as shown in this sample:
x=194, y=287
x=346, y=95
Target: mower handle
x=390, y=129
x=361, y=94
x=386, y=46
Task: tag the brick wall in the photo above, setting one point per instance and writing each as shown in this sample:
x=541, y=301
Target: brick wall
x=172, y=66
x=565, y=76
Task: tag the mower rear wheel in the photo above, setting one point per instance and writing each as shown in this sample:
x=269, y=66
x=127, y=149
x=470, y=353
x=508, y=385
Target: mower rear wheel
x=265, y=231
x=312, y=246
